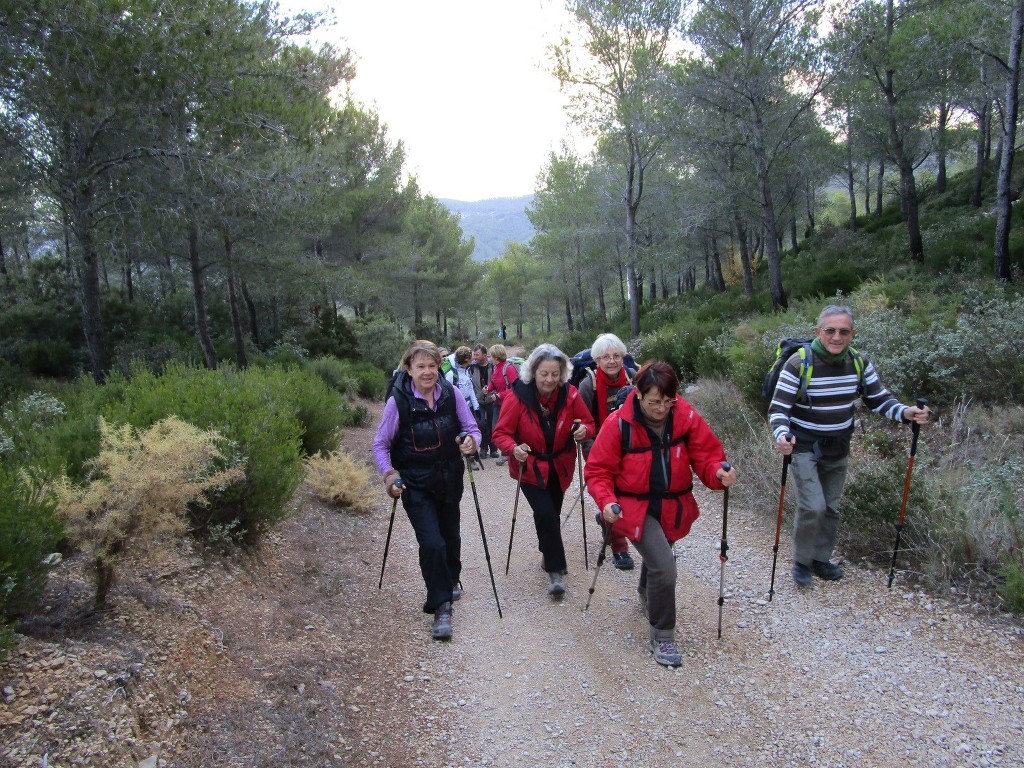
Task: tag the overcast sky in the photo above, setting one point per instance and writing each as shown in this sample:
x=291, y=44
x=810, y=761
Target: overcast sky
x=462, y=83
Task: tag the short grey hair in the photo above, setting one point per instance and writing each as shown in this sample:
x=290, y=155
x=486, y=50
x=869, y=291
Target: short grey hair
x=834, y=309
x=543, y=353
x=605, y=343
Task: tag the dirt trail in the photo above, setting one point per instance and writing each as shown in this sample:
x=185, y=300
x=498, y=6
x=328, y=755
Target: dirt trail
x=295, y=657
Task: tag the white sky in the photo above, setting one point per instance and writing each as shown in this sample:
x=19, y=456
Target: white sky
x=462, y=83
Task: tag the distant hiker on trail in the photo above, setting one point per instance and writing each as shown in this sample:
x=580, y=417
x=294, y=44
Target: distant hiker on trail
x=536, y=428
x=417, y=442
x=644, y=460
x=502, y=378
x=599, y=389
x=459, y=377
x=481, y=370
x=816, y=428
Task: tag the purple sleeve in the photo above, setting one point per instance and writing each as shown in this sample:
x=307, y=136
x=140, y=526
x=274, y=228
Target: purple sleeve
x=386, y=431
x=466, y=420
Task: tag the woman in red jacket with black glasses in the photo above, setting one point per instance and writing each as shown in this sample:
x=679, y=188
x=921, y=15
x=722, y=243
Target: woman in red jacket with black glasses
x=644, y=461
x=536, y=429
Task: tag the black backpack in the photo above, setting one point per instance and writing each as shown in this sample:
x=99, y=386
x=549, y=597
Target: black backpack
x=785, y=350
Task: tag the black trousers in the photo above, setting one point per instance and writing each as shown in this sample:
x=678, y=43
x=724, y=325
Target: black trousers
x=546, y=504
x=483, y=420
x=436, y=522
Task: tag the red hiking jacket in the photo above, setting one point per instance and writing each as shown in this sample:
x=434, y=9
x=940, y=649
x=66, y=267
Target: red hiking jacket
x=520, y=422
x=613, y=476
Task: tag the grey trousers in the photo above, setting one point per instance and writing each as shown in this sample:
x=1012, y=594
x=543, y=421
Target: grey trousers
x=819, y=487
x=658, y=580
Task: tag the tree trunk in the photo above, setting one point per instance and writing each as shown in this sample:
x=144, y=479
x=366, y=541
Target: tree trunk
x=940, y=176
x=867, y=188
x=600, y=300
x=879, y=188
x=1003, y=191
x=250, y=307
x=92, y=320
x=908, y=186
x=741, y=238
x=199, y=298
x=849, y=171
x=568, y=314
x=241, y=359
x=771, y=233
x=792, y=235
x=632, y=288
x=979, y=155
x=579, y=289
x=717, y=279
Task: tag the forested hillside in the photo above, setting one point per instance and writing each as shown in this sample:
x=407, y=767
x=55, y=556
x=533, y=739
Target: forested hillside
x=493, y=224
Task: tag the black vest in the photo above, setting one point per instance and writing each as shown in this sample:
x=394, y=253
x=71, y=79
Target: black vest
x=424, y=449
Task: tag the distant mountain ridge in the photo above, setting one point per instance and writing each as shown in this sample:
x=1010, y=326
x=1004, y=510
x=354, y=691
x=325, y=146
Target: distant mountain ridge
x=493, y=223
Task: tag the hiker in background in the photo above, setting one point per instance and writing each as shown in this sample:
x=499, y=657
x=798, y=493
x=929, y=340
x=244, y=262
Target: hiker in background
x=598, y=390
x=816, y=429
x=536, y=428
x=459, y=377
x=481, y=370
x=504, y=375
x=417, y=442
x=644, y=460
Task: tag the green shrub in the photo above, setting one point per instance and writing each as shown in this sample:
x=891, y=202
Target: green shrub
x=258, y=410
x=350, y=378
x=1011, y=589
x=29, y=532
x=380, y=342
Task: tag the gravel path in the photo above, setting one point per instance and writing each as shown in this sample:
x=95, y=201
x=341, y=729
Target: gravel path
x=846, y=674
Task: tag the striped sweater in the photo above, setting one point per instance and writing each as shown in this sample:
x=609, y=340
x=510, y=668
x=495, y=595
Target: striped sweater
x=827, y=411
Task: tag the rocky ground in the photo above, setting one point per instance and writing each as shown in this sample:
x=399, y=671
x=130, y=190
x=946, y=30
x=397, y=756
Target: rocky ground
x=291, y=656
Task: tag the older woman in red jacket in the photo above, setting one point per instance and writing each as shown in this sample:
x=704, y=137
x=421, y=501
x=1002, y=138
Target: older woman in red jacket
x=644, y=461
x=536, y=428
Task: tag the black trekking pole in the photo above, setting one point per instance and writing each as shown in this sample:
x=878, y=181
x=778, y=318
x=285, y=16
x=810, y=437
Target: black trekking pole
x=387, y=542
x=568, y=512
x=916, y=430
x=607, y=528
x=515, y=508
x=778, y=521
x=722, y=553
x=583, y=511
x=480, y=518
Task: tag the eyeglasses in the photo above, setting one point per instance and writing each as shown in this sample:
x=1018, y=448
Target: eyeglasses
x=844, y=332
x=616, y=357
x=656, y=403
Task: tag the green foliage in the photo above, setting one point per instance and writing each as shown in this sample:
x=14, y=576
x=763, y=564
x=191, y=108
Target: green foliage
x=331, y=335
x=350, y=378
x=380, y=342
x=29, y=533
x=273, y=417
x=1011, y=590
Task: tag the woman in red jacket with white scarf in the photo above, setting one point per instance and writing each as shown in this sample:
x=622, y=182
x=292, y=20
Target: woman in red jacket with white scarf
x=536, y=429
x=644, y=461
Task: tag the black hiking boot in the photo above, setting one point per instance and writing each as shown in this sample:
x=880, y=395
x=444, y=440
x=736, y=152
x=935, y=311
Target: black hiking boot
x=442, y=629
x=827, y=571
x=802, y=575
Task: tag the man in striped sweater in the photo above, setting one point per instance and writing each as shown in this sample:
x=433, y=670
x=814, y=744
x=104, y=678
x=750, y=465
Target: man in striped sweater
x=816, y=428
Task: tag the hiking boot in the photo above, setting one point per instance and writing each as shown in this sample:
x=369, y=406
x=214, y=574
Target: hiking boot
x=557, y=586
x=802, y=575
x=826, y=570
x=666, y=653
x=494, y=452
x=442, y=629
x=623, y=561
x=501, y=460
x=456, y=591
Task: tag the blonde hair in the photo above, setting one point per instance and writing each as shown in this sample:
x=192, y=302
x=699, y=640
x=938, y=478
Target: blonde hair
x=421, y=347
x=498, y=352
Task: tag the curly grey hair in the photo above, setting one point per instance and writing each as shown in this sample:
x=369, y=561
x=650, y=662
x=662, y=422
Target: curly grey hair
x=540, y=354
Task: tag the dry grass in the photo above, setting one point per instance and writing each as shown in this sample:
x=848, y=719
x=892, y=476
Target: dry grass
x=338, y=479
